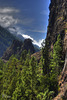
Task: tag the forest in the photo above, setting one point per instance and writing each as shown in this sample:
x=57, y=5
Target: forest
x=27, y=79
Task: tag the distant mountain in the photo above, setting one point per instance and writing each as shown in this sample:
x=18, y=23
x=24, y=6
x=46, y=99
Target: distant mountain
x=17, y=47
x=6, y=39
x=20, y=37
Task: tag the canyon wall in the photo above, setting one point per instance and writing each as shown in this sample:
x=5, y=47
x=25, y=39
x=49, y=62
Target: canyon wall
x=58, y=25
x=57, y=21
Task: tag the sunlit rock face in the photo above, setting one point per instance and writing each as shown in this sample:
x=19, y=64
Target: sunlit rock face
x=58, y=25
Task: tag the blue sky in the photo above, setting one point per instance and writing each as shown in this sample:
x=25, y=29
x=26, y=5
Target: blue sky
x=26, y=17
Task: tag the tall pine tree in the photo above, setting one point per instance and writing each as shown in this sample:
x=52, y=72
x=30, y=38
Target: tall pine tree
x=45, y=57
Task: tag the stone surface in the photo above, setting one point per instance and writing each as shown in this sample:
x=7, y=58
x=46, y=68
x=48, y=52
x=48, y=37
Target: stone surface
x=58, y=25
x=57, y=21
x=28, y=45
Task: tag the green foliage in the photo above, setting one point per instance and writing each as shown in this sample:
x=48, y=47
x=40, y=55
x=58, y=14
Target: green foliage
x=47, y=95
x=56, y=61
x=29, y=76
x=25, y=79
x=45, y=57
x=1, y=64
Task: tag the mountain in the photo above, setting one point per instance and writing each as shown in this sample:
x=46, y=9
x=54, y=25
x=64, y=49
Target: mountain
x=6, y=39
x=58, y=25
x=20, y=37
x=27, y=45
x=17, y=47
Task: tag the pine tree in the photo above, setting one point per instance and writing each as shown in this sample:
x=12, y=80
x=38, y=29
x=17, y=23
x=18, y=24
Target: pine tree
x=56, y=61
x=29, y=78
x=45, y=57
x=1, y=81
x=10, y=76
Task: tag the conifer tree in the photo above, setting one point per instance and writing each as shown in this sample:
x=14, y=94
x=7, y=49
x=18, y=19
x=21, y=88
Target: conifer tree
x=10, y=76
x=45, y=57
x=29, y=78
x=56, y=61
x=1, y=81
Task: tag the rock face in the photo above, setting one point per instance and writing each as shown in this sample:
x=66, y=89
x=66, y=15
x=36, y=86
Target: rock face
x=13, y=49
x=57, y=20
x=62, y=95
x=28, y=45
x=58, y=25
x=17, y=47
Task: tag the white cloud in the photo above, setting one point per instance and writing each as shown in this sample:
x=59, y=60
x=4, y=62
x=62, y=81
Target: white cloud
x=12, y=30
x=27, y=36
x=34, y=41
x=6, y=16
x=8, y=10
x=7, y=20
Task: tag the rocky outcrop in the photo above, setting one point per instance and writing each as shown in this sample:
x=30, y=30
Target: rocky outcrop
x=17, y=47
x=58, y=25
x=28, y=45
x=13, y=49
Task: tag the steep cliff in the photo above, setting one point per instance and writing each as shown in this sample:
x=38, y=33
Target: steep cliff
x=58, y=25
x=57, y=20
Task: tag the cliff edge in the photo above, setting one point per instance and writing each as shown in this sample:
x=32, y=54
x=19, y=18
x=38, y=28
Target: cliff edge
x=58, y=25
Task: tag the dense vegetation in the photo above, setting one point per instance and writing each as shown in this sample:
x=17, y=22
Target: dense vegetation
x=26, y=79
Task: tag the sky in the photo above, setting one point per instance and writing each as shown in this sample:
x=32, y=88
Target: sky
x=26, y=17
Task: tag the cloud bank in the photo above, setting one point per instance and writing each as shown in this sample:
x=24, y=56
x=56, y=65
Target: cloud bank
x=8, y=20
x=6, y=17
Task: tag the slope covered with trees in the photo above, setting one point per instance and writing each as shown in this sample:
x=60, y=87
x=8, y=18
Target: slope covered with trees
x=5, y=40
x=26, y=79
